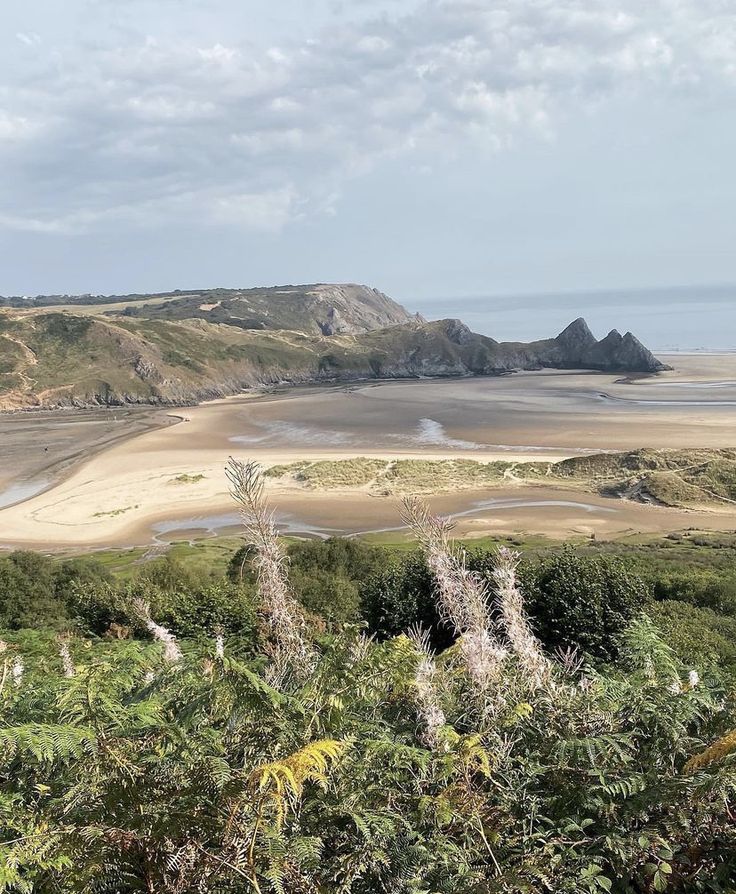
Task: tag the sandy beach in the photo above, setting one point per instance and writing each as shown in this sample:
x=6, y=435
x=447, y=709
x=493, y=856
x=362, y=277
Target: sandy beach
x=169, y=481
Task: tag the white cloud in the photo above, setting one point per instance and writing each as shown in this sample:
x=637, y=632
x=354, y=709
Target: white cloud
x=266, y=212
x=30, y=40
x=131, y=132
x=15, y=128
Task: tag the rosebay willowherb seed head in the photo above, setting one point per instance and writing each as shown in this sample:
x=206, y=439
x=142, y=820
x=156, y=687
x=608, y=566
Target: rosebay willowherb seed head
x=172, y=652
x=427, y=698
x=291, y=652
x=462, y=595
x=510, y=602
x=66, y=658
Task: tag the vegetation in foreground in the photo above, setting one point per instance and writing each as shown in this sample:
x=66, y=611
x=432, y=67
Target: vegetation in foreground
x=250, y=744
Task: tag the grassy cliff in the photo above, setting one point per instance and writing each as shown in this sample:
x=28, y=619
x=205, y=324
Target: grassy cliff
x=184, y=348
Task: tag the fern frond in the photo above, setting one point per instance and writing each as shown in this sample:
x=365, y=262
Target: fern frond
x=714, y=753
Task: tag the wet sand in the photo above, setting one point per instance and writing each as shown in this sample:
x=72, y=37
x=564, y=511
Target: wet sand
x=126, y=492
x=532, y=509
x=38, y=447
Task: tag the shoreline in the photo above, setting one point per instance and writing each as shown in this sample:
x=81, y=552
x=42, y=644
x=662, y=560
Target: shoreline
x=261, y=389
x=58, y=470
x=121, y=483
x=287, y=387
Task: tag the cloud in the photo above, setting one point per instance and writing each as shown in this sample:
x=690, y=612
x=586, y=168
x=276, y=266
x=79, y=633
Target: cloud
x=15, y=128
x=257, y=211
x=144, y=129
x=30, y=40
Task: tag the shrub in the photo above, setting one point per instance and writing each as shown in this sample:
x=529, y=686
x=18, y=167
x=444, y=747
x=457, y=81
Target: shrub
x=333, y=597
x=379, y=768
x=326, y=574
x=699, y=636
x=28, y=596
x=192, y=613
x=169, y=574
x=340, y=555
x=225, y=606
x=75, y=574
x=703, y=588
x=581, y=602
x=401, y=596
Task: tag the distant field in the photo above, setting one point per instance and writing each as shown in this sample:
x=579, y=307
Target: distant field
x=100, y=308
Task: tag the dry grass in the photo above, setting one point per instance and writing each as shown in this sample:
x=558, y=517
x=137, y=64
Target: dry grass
x=187, y=479
x=416, y=475
x=114, y=513
x=676, y=478
x=332, y=474
x=388, y=478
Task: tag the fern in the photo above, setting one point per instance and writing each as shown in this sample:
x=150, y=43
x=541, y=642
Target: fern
x=718, y=751
x=47, y=743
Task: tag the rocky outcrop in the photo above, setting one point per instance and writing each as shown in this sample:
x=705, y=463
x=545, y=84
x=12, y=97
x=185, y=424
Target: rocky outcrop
x=448, y=347
x=624, y=353
x=352, y=309
x=122, y=360
x=576, y=342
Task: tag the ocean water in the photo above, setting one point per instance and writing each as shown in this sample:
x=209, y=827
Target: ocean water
x=676, y=319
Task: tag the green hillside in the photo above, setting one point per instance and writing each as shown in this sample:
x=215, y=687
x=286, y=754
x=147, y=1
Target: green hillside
x=194, y=347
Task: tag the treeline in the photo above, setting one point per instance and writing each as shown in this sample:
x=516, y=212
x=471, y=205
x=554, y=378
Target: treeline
x=574, y=600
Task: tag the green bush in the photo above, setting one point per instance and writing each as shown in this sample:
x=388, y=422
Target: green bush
x=225, y=606
x=332, y=597
x=104, y=609
x=109, y=609
x=28, y=596
x=582, y=602
x=573, y=601
x=72, y=575
x=707, y=589
x=170, y=574
x=699, y=636
x=327, y=574
x=340, y=555
x=401, y=596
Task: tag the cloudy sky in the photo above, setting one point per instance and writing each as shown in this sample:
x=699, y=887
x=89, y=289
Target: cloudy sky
x=428, y=147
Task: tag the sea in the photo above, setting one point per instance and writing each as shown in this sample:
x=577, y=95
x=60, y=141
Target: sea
x=687, y=319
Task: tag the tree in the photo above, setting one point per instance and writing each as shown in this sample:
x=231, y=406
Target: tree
x=74, y=574
x=332, y=596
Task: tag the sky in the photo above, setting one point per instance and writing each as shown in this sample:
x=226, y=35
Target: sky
x=426, y=147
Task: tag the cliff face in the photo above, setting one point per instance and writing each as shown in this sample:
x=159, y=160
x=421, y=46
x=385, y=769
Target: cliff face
x=350, y=309
x=449, y=344
x=78, y=359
